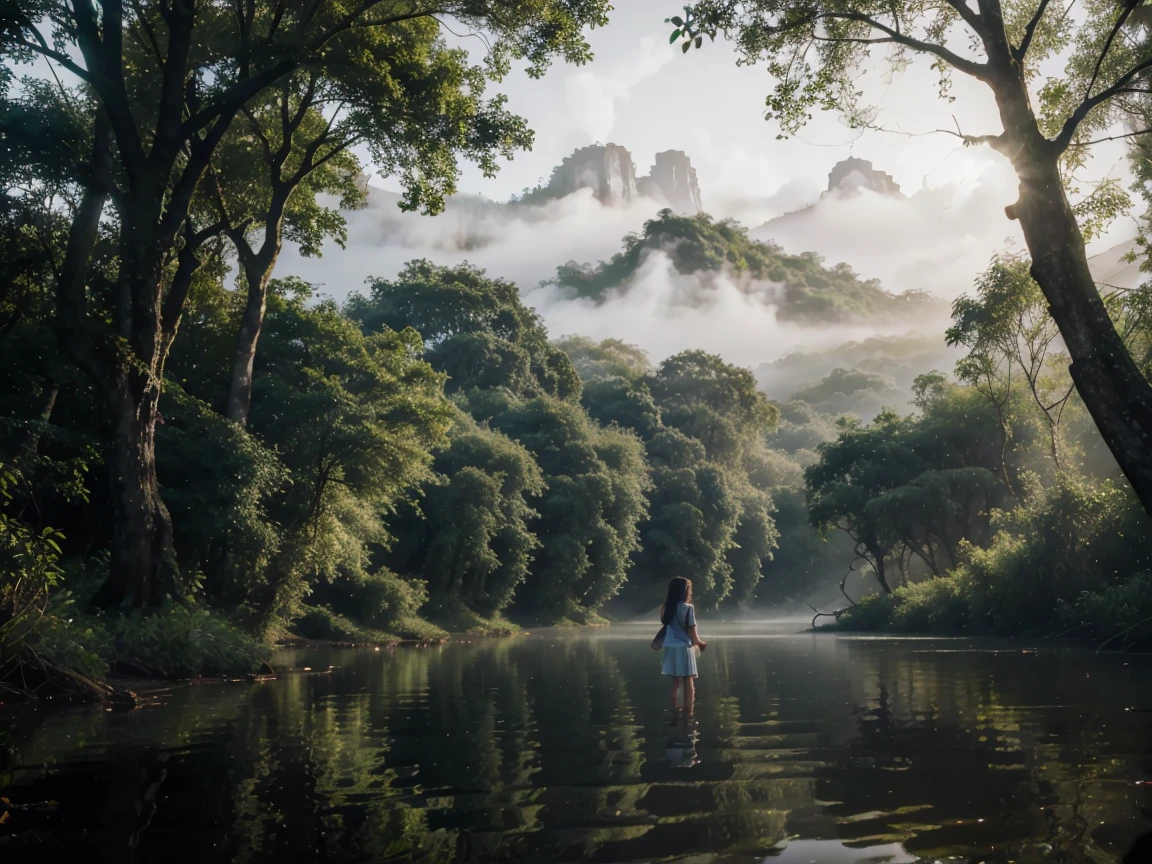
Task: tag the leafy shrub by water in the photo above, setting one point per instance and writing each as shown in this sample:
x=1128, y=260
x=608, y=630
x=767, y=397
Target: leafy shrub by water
x=1119, y=615
x=321, y=623
x=181, y=642
x=1065, y=561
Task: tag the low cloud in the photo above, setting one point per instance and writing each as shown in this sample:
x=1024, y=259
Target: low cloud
x=937, y=240
x=665, y=311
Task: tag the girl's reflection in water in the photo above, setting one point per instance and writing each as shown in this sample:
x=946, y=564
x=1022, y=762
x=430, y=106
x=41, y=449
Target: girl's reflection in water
x=680, y=747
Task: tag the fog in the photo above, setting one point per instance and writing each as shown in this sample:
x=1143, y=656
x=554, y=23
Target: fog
x=937, y=240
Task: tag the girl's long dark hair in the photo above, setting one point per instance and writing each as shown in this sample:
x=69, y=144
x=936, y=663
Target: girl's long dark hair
x=679, y=591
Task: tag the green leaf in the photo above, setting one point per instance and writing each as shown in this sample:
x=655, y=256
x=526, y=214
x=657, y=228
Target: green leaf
x=699, y=41
x=675, y=35
x=687, y=45
x=677, y=20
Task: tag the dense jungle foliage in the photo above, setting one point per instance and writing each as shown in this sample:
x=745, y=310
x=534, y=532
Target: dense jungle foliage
x=197, y=457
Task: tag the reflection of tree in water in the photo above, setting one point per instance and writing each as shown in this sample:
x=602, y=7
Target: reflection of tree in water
x=452, y=754
x=952, y=771
x=534, y=751
x=591, y=753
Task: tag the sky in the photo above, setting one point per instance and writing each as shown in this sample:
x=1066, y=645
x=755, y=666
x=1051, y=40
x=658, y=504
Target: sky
x=642, y=93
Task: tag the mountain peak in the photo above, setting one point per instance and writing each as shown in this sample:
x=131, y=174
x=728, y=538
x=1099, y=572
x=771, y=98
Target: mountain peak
x=852, y=174
x=608, y=170
x=673, y=179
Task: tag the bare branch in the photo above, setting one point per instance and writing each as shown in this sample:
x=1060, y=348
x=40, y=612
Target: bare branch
x=258, y=132
x=41, y=47
x=277, y=17
x=188, y=262
x=887, y=40
x=104, y=56
x=996, y=142
x=1116, y=137
x=168, y=140
x=235, y=97
x=145, y=26
x=968, y=67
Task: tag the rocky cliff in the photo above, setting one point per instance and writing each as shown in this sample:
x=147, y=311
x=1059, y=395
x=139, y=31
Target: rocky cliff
x=846, y=179
x=852, y=175
x=673, y=181
x=608, y=170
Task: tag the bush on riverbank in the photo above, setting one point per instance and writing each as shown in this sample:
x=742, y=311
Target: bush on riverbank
x=1072, y=561
x=322, y=623
x=180, y=642
x=172, y=642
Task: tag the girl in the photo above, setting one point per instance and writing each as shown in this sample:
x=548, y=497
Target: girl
x=679, y=617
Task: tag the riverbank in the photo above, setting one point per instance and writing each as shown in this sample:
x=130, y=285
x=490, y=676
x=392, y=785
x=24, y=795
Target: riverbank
x=1117, y=617
x=118, y=660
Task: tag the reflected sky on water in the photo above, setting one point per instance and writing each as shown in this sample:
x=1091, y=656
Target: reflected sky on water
x=564, y=747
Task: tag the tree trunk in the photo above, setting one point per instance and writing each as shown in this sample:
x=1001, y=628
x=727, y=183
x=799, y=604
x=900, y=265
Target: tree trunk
x=144, y=569
x=31, y=445
x=880, y=576
x=257, y=273
x=1114, y=391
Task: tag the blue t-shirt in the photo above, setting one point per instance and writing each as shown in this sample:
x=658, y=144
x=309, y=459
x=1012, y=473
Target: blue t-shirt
x=677, y=633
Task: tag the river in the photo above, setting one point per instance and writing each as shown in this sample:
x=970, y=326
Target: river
x=563, y=746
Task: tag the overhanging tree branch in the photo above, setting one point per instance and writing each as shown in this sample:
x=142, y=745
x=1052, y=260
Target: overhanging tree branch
x=1021, y=50
x=969, y=67
x=1124, y=13
x=1064, y=138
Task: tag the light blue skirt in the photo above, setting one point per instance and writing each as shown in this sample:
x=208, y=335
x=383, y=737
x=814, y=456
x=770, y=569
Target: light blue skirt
x=679, y=662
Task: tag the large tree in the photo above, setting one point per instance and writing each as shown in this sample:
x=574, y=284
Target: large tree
x=159, y=88
x=814, y=47
x=412, y=102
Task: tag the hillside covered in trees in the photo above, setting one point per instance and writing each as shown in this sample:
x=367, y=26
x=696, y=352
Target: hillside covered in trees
x=802, y=289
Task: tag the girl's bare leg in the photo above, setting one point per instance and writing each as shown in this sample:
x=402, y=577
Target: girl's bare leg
x=675, y=692
x=689, y=696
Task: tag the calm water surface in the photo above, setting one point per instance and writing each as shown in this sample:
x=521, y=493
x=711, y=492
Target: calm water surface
x=561, y=747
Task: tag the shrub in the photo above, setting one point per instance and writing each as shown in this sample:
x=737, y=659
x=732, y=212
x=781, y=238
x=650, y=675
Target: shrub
x=181, y=642
x=321, y=623
x=29, y=569
x=386, y=600
x=873, y=612
x=1055, y=564
x=941, y=605
x=71, y=640
x=1120, y=615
